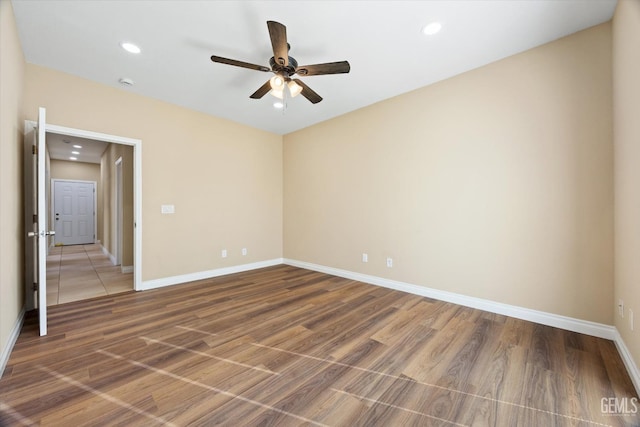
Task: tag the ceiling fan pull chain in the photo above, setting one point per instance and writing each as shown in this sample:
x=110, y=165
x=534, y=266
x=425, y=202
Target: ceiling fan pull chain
x=285, y=89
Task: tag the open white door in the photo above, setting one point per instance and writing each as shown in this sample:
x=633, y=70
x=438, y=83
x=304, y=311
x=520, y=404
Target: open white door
x=36, y=215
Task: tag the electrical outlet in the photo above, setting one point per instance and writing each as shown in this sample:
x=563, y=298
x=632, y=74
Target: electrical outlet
x=365, y=258
x=244, y=251
x=224, y=253
x=631, y=319
x=389, y=262
x=621, y=307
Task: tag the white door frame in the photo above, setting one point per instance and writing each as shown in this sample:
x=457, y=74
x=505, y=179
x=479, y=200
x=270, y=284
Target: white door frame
x=137, y=187
x=119, y=213
x=95, y=204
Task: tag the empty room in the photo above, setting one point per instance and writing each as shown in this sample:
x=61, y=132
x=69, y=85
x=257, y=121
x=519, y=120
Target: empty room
x=331, y=213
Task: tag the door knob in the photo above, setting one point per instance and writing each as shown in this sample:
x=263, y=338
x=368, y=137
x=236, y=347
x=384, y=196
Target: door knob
x=42, y=233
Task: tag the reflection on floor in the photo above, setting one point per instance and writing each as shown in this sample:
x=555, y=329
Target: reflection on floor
x=83, y=271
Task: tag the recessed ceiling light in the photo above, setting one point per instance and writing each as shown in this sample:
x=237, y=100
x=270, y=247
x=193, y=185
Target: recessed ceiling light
x=278, y=105
x=432, y=28
x=77, y=146
x=130, y=47
x=75, y=152
x=73, y=158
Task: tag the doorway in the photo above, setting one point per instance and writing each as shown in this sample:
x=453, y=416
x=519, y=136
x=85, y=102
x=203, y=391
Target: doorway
x=83, y=264
x=38, y=206
x=74, y=211
x=110, y=262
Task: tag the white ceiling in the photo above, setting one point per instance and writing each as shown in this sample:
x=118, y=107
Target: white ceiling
x=61, y=147
x=382, y=40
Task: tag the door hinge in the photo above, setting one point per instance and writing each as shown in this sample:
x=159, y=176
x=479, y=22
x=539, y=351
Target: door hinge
x=35, y=286
x=34, y=149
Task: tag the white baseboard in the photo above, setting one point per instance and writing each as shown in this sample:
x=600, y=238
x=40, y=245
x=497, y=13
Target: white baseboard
x=13, y=337
x=124, y=269
x=576, y=325
x=632, y=368
x=185, y=278
x=107, y=253
x=563, y=322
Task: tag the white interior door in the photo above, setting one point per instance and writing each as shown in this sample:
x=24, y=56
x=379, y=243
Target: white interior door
x=36, y=221
x=74, y=213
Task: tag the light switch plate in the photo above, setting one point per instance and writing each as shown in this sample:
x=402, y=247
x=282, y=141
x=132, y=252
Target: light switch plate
x=168, y=209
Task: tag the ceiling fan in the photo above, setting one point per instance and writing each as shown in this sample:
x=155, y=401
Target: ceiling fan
x=284, y=67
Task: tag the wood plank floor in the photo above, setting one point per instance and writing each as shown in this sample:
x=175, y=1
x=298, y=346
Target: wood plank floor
x=285, y=346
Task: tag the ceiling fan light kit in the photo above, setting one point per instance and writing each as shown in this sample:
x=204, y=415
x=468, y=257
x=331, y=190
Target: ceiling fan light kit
x=294, y=88
x=284, y=66
x=277, y=82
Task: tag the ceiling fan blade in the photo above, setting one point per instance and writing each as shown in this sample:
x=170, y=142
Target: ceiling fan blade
x=308, y=93
x=278, y=34
x=262, y=91
x=328, y=68
x=237, y=63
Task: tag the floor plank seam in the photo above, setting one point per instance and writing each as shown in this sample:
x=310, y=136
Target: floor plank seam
x=104, y=396
x=211, y=388
x=396, y=377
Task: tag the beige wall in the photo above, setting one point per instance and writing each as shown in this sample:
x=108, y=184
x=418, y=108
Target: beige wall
x=626, y=108
x=225, y=179
x=108, y=173
x=63, y=169
x=495, y=184
x=11, y=211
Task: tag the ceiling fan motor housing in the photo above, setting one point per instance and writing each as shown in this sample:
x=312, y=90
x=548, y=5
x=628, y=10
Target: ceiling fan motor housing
x=289, y=69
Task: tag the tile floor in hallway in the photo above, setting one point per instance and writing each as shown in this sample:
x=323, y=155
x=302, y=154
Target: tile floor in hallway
x=80, y=272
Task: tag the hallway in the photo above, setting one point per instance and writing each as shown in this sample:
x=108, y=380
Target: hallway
x=81, y=272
